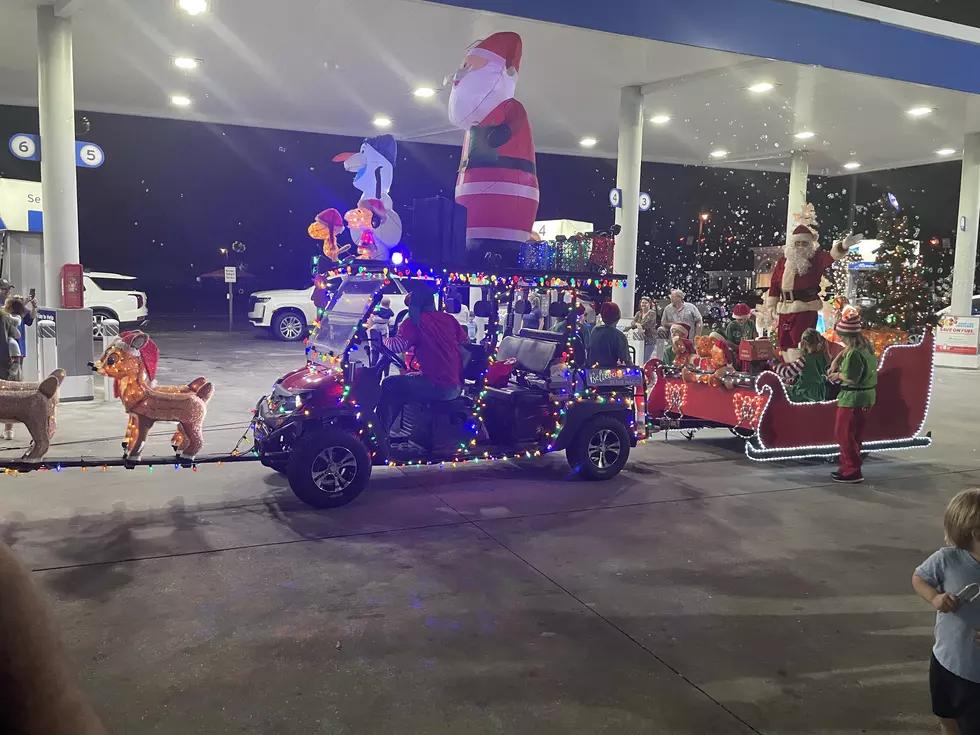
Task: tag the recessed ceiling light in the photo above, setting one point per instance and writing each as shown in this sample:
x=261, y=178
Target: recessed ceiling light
x=186, y=63
x=805, y=135
x=194, y=7
x=720, y=153
x=852, y=164
x=588, y=142
x=760, y=87
x=660, y=119
x=424, y=92
x=919, y=111
x=945, y=151
x=180, y=100
x=382, y=121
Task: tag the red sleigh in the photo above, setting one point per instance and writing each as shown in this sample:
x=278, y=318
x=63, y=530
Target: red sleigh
x=775, y=428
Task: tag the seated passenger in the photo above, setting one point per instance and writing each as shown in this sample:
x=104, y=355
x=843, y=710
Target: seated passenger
x=608, y=347
x=435, y=339
x=806, y=377
x=680, y=350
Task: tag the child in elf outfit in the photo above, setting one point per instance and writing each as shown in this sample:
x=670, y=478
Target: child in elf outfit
x=680, y=350
x=740, y=327
x=857, y=370
x=806, y=377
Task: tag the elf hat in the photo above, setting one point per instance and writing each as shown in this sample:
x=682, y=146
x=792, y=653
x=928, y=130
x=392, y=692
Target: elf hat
x=741, y=310
x=718, y=336
x=140, y=344
x=500, y=48
x=849, y=324
x=681, y=329
x=610, y=312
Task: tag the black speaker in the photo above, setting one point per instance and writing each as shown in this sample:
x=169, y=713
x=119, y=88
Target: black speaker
x=438, y=232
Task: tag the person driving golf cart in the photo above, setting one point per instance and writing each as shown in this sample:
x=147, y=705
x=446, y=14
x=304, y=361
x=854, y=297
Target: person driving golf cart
x=435, y=339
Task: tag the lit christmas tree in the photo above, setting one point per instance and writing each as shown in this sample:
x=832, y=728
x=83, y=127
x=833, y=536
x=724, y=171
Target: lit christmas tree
x=902, y=287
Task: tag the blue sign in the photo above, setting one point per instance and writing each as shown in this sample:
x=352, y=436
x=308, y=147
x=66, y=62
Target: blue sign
x=88, y=155
x=645, y=202
x=25, y=146
x=616, y=198
x=893, y=200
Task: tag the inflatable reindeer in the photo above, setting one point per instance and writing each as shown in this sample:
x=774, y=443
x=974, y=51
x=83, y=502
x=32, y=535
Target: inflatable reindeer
x=132, y=362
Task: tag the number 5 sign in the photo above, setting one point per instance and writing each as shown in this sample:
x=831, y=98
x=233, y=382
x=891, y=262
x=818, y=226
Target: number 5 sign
x=25, y=146
x=88, y=155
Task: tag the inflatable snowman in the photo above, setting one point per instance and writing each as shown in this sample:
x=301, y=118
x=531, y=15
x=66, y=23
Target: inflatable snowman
x=373, y=168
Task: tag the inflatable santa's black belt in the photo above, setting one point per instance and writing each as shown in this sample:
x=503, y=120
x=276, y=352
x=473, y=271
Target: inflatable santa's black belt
x=507, y=162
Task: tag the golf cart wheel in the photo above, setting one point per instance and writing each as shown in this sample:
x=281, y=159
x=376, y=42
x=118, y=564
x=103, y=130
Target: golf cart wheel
x=288, y=325
x=328, y=468
x=600, y=448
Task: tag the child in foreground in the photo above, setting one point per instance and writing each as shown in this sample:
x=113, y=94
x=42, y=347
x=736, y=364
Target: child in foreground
x=856, y=368
x=950, y=580
x=806, y=377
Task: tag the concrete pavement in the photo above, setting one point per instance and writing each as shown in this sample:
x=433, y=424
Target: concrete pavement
x=696, y=593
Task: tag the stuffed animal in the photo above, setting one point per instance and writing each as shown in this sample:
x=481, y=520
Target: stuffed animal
x=721, y=362
x=367, y=219
x=132, y=361
x=34, y=406
x=327, y=225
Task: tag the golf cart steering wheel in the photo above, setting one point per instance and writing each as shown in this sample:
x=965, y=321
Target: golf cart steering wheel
x=391, y=355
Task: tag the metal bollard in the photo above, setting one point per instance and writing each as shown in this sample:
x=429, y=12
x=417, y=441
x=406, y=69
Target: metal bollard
x=47, y=349
x=110, y=331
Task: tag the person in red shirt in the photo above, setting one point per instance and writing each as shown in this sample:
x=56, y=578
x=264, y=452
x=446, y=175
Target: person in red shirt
x=435, y=339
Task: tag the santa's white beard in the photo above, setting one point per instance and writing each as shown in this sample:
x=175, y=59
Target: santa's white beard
x=798, y=259
x=478, y=93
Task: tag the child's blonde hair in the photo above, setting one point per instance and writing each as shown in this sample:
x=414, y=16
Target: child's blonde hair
x=857, y=342
x=15, y=305
x=962, y=519
x=812, y=343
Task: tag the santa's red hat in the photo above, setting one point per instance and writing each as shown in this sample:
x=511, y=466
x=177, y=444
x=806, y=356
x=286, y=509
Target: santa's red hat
x=501, y=48
x=802, y=232
x=145, y=348
x=741, y=310
x=682, y=329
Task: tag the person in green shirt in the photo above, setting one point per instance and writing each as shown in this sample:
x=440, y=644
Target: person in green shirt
x=857, y=370
x=806, y=377
x=740, y=327
x=608, y=347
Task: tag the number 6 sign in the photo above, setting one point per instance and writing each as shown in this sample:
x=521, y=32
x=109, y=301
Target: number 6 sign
x=25, y=146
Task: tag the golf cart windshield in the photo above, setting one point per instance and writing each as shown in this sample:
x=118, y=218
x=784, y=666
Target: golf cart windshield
x=349, y=305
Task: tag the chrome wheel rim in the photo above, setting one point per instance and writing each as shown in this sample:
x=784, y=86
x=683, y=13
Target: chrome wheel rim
x=290, y=327
x=334, y=469
x=98, y=329
x=604, y=449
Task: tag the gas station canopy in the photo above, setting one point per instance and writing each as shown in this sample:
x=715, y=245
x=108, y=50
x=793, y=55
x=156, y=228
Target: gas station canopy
x=334, y=66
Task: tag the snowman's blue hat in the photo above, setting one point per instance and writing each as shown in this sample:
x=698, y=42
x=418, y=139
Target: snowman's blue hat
x=386, y=146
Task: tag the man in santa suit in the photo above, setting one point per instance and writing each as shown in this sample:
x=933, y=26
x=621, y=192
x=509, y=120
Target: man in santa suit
x=794, y=291
x=498, y=181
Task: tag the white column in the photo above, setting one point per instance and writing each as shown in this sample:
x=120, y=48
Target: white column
x=965, y=259
x=56, y=110
x=798, y=172
x=628, y=180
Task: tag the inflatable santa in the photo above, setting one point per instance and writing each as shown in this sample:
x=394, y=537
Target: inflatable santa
x=794, y=289
x=497, y=182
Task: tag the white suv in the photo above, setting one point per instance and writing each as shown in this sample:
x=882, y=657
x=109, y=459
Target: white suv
x=288, y=313
x=127, y=307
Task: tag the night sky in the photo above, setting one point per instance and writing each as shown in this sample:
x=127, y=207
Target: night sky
x=171, y=193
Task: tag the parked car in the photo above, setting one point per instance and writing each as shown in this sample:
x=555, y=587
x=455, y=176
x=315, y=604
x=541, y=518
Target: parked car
x=108, y=302
x=288, y=313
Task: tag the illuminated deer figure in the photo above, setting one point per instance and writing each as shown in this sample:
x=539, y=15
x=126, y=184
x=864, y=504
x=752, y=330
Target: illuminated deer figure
x=132, y=362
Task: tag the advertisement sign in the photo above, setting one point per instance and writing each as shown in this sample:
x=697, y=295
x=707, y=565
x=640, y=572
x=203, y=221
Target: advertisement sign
x=20, y=206
x=958, y=341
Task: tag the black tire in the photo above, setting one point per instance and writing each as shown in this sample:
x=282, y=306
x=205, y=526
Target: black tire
x=288, y=325
x=600, y=449
x=97, y=316
x=309, y=458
